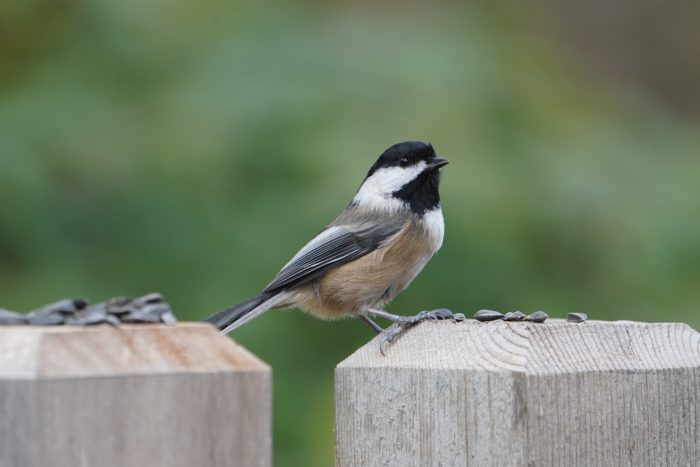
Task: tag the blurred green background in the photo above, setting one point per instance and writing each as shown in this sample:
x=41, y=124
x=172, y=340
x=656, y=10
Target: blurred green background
x=190, y=147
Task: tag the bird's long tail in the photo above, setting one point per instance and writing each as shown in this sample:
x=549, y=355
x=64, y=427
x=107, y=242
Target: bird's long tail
x=236, y=316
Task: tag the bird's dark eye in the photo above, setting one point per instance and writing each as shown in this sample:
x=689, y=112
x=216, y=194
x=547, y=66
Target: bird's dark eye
x=403, y=162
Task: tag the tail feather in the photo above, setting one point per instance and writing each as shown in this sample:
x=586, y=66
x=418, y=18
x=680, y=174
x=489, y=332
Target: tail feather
x=229, y=316
x=236, y=316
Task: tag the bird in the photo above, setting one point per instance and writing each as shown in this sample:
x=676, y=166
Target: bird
x=371, y=252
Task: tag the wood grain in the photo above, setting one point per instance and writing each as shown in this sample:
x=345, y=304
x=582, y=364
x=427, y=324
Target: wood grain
x=142, y=396
x=523, y=394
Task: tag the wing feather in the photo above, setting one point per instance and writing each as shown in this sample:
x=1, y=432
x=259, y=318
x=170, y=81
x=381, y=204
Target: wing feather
x=333, y=247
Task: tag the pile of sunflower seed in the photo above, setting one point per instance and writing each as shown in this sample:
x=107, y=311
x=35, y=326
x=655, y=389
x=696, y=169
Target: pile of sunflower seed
x=150, y=308
x=536, y=317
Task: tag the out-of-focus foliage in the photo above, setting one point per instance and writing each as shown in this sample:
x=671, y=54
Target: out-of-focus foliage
x=191, y=147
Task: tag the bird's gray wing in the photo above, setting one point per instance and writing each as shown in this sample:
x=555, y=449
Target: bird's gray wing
x=333, y=247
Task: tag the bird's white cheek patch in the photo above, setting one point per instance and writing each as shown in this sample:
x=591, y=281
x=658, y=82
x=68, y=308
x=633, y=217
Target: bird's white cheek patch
x=376, y=191
x=376, y=201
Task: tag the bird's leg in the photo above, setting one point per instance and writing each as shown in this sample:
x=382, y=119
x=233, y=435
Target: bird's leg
x=375, y=327
x=403, y=322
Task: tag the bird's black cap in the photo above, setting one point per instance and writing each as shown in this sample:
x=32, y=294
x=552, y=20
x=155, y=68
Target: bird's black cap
x=404, y=154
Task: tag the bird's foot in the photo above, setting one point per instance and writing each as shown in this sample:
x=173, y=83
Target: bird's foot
x=404, y=322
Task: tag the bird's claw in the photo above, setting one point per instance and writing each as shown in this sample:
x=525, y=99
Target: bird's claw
x=388, y=337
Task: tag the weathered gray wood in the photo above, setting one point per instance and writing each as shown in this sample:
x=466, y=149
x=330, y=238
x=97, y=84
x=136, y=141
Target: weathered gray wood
x=523, y=394
x=143, y=396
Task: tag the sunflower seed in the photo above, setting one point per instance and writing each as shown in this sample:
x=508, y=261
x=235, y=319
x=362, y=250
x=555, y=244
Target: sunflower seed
x=113, y=320
x=153, y=297
x=487, y=315
x=10, y=317
x=157, y=309
x=46, y=318
x=442, y=313
x=118, y=305
x=138, y=316
x=459, y=317
x=66, y=307
x=514, y=316
x=537, y=317
x=88, y=320
x=576, y=317
x=168, y=318
x=149, y=308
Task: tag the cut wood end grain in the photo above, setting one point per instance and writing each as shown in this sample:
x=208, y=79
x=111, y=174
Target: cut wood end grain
x=552, y=347
x=104, y=350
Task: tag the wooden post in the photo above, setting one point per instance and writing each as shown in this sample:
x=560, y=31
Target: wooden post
x=523, y=394
x=136, y=395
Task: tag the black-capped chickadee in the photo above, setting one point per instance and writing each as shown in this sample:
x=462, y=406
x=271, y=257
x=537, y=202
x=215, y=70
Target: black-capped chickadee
x=369, y=253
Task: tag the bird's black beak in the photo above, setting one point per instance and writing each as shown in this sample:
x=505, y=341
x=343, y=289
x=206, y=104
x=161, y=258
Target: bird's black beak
x=437, y=162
